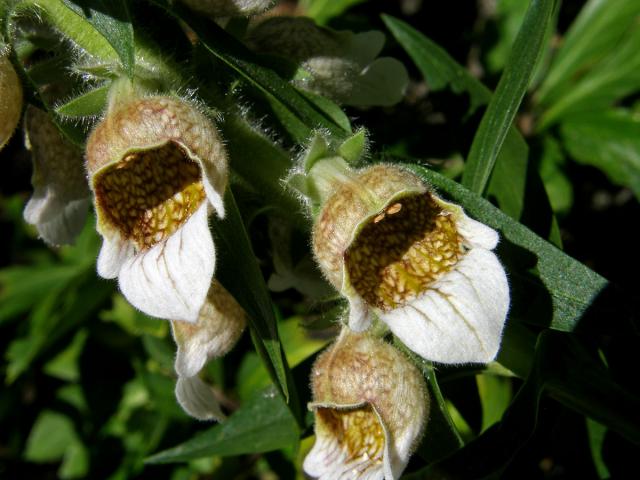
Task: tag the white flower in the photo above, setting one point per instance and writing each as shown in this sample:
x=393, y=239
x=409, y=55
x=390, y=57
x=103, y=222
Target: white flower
x=61, y=197
x=371, y=406
x=230, y=8
x=219, y=326
x=10, y=99
x=340, y=65
x=418, y=263
x=157, y=168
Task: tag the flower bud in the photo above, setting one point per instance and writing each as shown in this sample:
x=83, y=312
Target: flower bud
x=230, y=8
x=371, y=407
x=418, y=263
x=10, y=99
x=157, y=168
x=340, y=65
x=220, y=324
x=61, y=197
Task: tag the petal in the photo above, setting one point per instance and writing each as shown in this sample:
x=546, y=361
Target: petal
x=477, y=234
x=171, y=279
x=114, y=253
x=197, y=399
x=57, y=222
x=459, y=319
x=359, y=314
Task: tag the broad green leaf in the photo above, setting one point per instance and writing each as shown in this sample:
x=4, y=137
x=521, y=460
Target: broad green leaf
x=134, y=321
x=609, y=141
x=65, y=365
x=596, y=32
x=89, y=104
x=508, y=18
x=296, y=113
x=495, y=396
x=513, y=84
x=556, y=183
x=111, y=19
x=572, y=287
x=324, y=10
x=239, y=272
x=262, y=424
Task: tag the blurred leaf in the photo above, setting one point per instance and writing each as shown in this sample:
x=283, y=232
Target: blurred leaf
x=609, y=141
x=324, y=10
x=495, y=397
x=294, y=111
x=556, y=183
x=262, y=424
x=89, y=104
x=572, y=286
x=133, y=321
x=240, y=274
x=599, y=30
x=111, y=19
x=498, y=118
x=65, y=365
x=508, y=18
x=596, y=434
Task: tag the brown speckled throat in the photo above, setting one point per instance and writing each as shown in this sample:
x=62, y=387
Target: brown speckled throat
x=149, y=194
x=402, y=250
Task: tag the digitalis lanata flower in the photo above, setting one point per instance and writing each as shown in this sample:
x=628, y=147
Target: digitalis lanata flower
x=398, y=252
x=10, y=99
x=219, y=326
x=157, y=169
x=371, y=406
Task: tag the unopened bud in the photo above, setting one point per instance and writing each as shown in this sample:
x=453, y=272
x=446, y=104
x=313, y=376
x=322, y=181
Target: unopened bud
x=230, y=8
x=10, y=99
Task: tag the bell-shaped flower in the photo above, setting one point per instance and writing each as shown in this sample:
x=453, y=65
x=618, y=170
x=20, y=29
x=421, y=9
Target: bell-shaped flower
x=10, y=99
x=371, y=407
x=417, y=262
x=220, y=323
x=157, y=169
x=230, y=8
x=339, y=65
x=61, y=197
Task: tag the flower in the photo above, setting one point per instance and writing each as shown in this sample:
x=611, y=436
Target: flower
x=371, y=407
x=10, y=99
x=61, y=197
x=417, y=262
x=340, y=65
x=230, y=8
x=157, y=168
x=220, y=324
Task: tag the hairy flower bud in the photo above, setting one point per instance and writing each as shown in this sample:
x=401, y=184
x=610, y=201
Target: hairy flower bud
x=230, y=8
x=371, y=406
x=340, y=65
x=61, y=197
x=220, y=324
x=10, y=100
x=157, y=168
x=418, y=263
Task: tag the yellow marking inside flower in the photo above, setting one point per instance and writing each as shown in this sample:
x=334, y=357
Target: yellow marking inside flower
x=402, y=251
x=149, y=194
x=358, y=432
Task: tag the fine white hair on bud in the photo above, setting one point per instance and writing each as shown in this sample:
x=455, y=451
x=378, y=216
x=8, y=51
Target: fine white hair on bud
x=61, y=198
x=417, y=262
x=157, y=169
x=230, y=8
x=10, y=99
x=371, y=407
x=220, y=324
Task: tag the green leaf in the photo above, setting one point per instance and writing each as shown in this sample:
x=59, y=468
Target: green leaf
x=596, y=433
x=324, y=10
x=50, y=437
x=239, y=272
x=572, y=286
x=111, y=19
x=556, y=183
x=598, y=31
x=65, y=365
x=262, y=424
x=89, y=104
x=329, y=108
x=296, y=113
x=495, y=396
x=504, y=104
x=609, y=141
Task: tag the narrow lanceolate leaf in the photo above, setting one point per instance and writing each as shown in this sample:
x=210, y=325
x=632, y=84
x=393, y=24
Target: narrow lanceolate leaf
x=609, y=141
x=89, y=104
x=262, y=424
x=566, y=284
x=238, y=271
x=504, y=104
x=111, y=19
x=296, y=113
